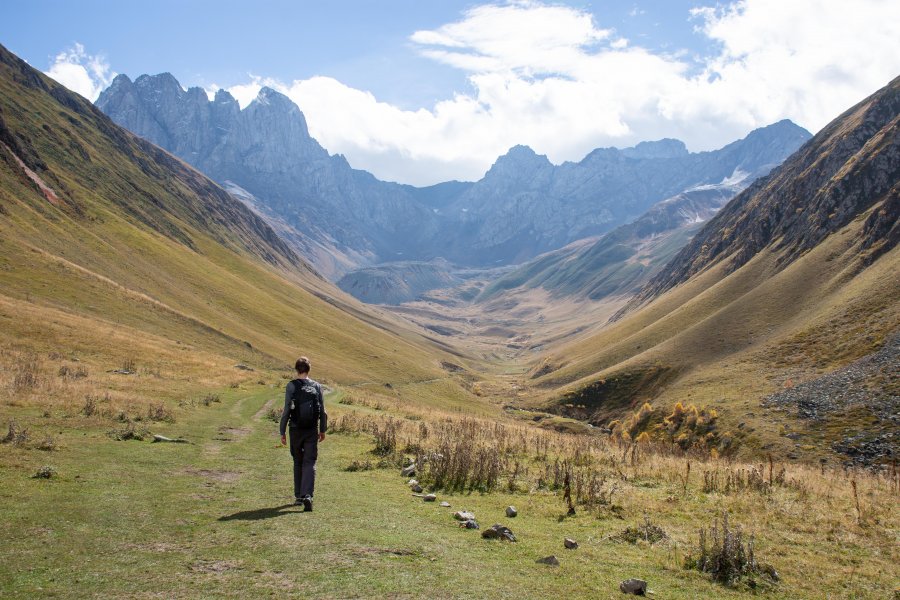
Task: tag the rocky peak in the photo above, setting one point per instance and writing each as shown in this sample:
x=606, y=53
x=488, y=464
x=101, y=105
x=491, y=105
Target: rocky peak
x=223, y=96
x=162, y=83
x=517, y=161
x=276, y=106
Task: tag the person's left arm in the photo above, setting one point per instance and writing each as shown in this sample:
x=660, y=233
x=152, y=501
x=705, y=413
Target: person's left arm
x=323, y=416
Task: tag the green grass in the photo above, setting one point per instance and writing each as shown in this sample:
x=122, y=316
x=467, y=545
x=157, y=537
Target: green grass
x=212, y=519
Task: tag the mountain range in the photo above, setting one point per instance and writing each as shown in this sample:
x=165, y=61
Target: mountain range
x=341, y=218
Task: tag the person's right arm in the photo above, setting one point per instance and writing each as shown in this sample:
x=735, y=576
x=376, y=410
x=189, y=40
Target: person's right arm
x=286, y=412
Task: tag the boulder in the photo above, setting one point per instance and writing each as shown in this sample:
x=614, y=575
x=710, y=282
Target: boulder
x=430, y=498
x=511, y=511
x=638, y=587
x=417, y=488
x=470, y=524
x=570, y=544
x=548, y=560
x=445, y=504
x=409, y=471
x=464, y=515
x=498, y=532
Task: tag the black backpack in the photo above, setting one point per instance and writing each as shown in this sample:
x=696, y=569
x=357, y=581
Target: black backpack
x=305, y=412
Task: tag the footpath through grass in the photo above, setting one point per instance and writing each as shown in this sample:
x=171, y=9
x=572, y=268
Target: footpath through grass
x=213, y=519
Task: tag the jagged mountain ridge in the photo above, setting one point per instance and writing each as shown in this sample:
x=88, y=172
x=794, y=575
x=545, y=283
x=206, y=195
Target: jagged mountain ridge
x=526, y=205
x=266, y=149
x=522, y=207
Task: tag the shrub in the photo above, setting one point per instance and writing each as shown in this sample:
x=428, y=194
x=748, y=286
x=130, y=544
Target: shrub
x=129, y=432
x=648, y=532
x=45, y=472
x=634, y=425
x=67, y=372
x=48, y=444
x=15, y=435
x=159, y=412
x=274, y=414
x=385, y=437
x=90, y=406
x=727, y=558
x=210, y=398
x=27, y=374
x=357, y=465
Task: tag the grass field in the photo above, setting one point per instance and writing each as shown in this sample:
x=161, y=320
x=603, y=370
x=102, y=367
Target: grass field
x=212, y=519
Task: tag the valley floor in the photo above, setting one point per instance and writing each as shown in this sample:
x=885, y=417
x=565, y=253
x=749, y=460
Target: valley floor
x=212, y=519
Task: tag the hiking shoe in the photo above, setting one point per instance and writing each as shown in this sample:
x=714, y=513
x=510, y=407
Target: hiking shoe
x=298, y=501
x=307, y=504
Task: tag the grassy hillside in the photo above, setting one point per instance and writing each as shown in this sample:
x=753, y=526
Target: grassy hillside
x=795, y=278
x=111, y=249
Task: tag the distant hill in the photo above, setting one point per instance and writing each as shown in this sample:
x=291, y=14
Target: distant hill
x=793, y=280
x=395, y=283
x=111, y=247
x=623, y=260
x=344, y=218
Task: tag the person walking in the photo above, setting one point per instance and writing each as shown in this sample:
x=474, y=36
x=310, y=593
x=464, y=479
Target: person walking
x=304, y=407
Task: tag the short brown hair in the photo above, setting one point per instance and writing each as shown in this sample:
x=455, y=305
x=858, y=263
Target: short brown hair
x=302, y=365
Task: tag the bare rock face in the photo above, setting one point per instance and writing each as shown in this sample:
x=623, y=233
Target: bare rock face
x=267, y=151
x=523, y=206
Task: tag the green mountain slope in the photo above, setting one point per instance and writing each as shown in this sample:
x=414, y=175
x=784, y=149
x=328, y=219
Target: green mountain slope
x=101, y=231
x=797, y=277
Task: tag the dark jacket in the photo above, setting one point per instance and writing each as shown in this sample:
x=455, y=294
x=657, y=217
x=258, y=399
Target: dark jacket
x=289, y=404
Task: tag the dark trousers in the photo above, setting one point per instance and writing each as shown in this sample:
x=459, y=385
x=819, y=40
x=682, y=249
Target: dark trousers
x=305, y=450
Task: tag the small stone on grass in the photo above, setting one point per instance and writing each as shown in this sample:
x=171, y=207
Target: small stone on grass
x=638, y=587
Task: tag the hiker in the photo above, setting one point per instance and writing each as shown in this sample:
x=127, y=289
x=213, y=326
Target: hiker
x=305, y=407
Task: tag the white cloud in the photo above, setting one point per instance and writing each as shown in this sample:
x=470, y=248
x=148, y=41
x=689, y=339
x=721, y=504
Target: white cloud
x=81, y=72
x=550, y=77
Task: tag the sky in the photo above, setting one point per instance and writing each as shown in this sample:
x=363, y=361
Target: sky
x=421, y=92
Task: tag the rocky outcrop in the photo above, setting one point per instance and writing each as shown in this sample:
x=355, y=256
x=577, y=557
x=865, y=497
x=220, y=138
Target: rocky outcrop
x=524, y=205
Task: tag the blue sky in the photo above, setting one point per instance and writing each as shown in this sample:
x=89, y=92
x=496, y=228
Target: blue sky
x=426, y=91
x=364, y=44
